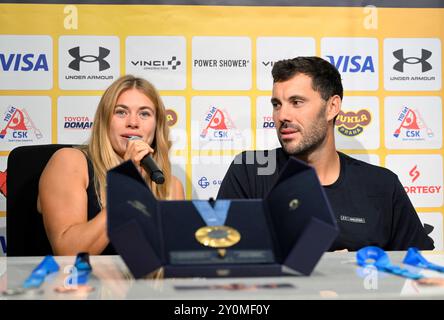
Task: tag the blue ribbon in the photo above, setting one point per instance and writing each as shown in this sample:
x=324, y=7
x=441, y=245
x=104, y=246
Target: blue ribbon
x=414, y=258
x=47, y=266
x=82, y=268
x=382, y=262
x=213, y=216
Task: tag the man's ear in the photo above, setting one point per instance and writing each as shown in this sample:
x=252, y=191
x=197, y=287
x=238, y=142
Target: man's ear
x=333, y=107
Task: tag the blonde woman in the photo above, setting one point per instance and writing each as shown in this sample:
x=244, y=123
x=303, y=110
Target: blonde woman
x=72, y=188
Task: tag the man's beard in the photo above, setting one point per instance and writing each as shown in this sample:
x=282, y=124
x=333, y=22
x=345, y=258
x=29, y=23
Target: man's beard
x=312, y=138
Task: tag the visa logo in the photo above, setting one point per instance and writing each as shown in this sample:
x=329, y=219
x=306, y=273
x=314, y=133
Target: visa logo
x=26, y=62
x=353, y=63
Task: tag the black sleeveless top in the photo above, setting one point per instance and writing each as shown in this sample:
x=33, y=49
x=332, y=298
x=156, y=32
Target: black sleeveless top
x=93, y=204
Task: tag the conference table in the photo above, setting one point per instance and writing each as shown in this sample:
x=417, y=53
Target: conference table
x=336, y=276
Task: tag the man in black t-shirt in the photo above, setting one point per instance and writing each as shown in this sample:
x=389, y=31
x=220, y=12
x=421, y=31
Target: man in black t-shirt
x=370, y=204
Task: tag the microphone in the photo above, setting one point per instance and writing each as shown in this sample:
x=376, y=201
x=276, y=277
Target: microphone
x=150, y=166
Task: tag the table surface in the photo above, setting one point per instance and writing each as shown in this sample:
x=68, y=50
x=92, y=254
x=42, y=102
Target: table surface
x=337, y=276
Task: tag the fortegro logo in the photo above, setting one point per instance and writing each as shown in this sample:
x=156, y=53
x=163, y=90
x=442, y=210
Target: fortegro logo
x=415, y=188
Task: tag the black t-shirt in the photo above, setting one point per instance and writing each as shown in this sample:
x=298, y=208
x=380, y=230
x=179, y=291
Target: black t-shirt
x=369, y=202
x=94, y=206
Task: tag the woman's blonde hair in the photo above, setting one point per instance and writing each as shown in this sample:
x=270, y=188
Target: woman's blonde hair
x=100, y=150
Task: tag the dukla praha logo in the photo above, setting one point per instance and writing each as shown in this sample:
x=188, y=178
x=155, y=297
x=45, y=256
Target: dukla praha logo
x=89, y=58
x=18, y=125
x=171, y=117
x=411, y=126
x=416, y=188
x=352, y=123
x=218, y=124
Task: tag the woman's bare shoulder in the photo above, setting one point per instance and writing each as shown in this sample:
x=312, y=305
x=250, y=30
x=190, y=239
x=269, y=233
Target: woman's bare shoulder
x=68, y=154
x=70, y=157
x=177, y=189
x=67, y=162
x=65, y=172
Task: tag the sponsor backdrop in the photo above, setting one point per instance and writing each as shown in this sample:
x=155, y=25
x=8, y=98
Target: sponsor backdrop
x=212, y=66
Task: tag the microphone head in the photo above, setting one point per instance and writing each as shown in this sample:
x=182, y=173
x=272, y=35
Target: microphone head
x=157, y=177
x=150, y=166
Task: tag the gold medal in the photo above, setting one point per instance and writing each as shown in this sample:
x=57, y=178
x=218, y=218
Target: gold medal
x=217, y=236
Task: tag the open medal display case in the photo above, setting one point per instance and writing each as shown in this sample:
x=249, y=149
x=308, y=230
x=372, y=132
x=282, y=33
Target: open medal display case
x=284, y=234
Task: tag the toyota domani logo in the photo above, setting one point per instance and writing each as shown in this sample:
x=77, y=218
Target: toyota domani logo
x=172, y=64
x=89, y=58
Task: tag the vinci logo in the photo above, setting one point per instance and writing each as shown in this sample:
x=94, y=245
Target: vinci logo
x=353, y=64
x=411, y=126
x=23, y=62
x=172, y=63
x=352, y=123
x=219, y=122
x=20, y=124
x=414, y=173
x=80, y=123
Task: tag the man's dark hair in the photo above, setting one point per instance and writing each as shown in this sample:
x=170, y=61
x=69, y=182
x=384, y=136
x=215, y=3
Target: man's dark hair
x=325, y=78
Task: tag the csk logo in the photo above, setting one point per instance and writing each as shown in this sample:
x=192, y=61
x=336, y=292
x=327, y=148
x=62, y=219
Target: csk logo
x=20, y=125
x=217, y=125
x=411, y=126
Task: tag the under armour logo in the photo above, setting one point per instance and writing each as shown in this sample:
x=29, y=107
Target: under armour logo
x=174, y=63
x=425, y=55
x=89, y=58
x=414, y=173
